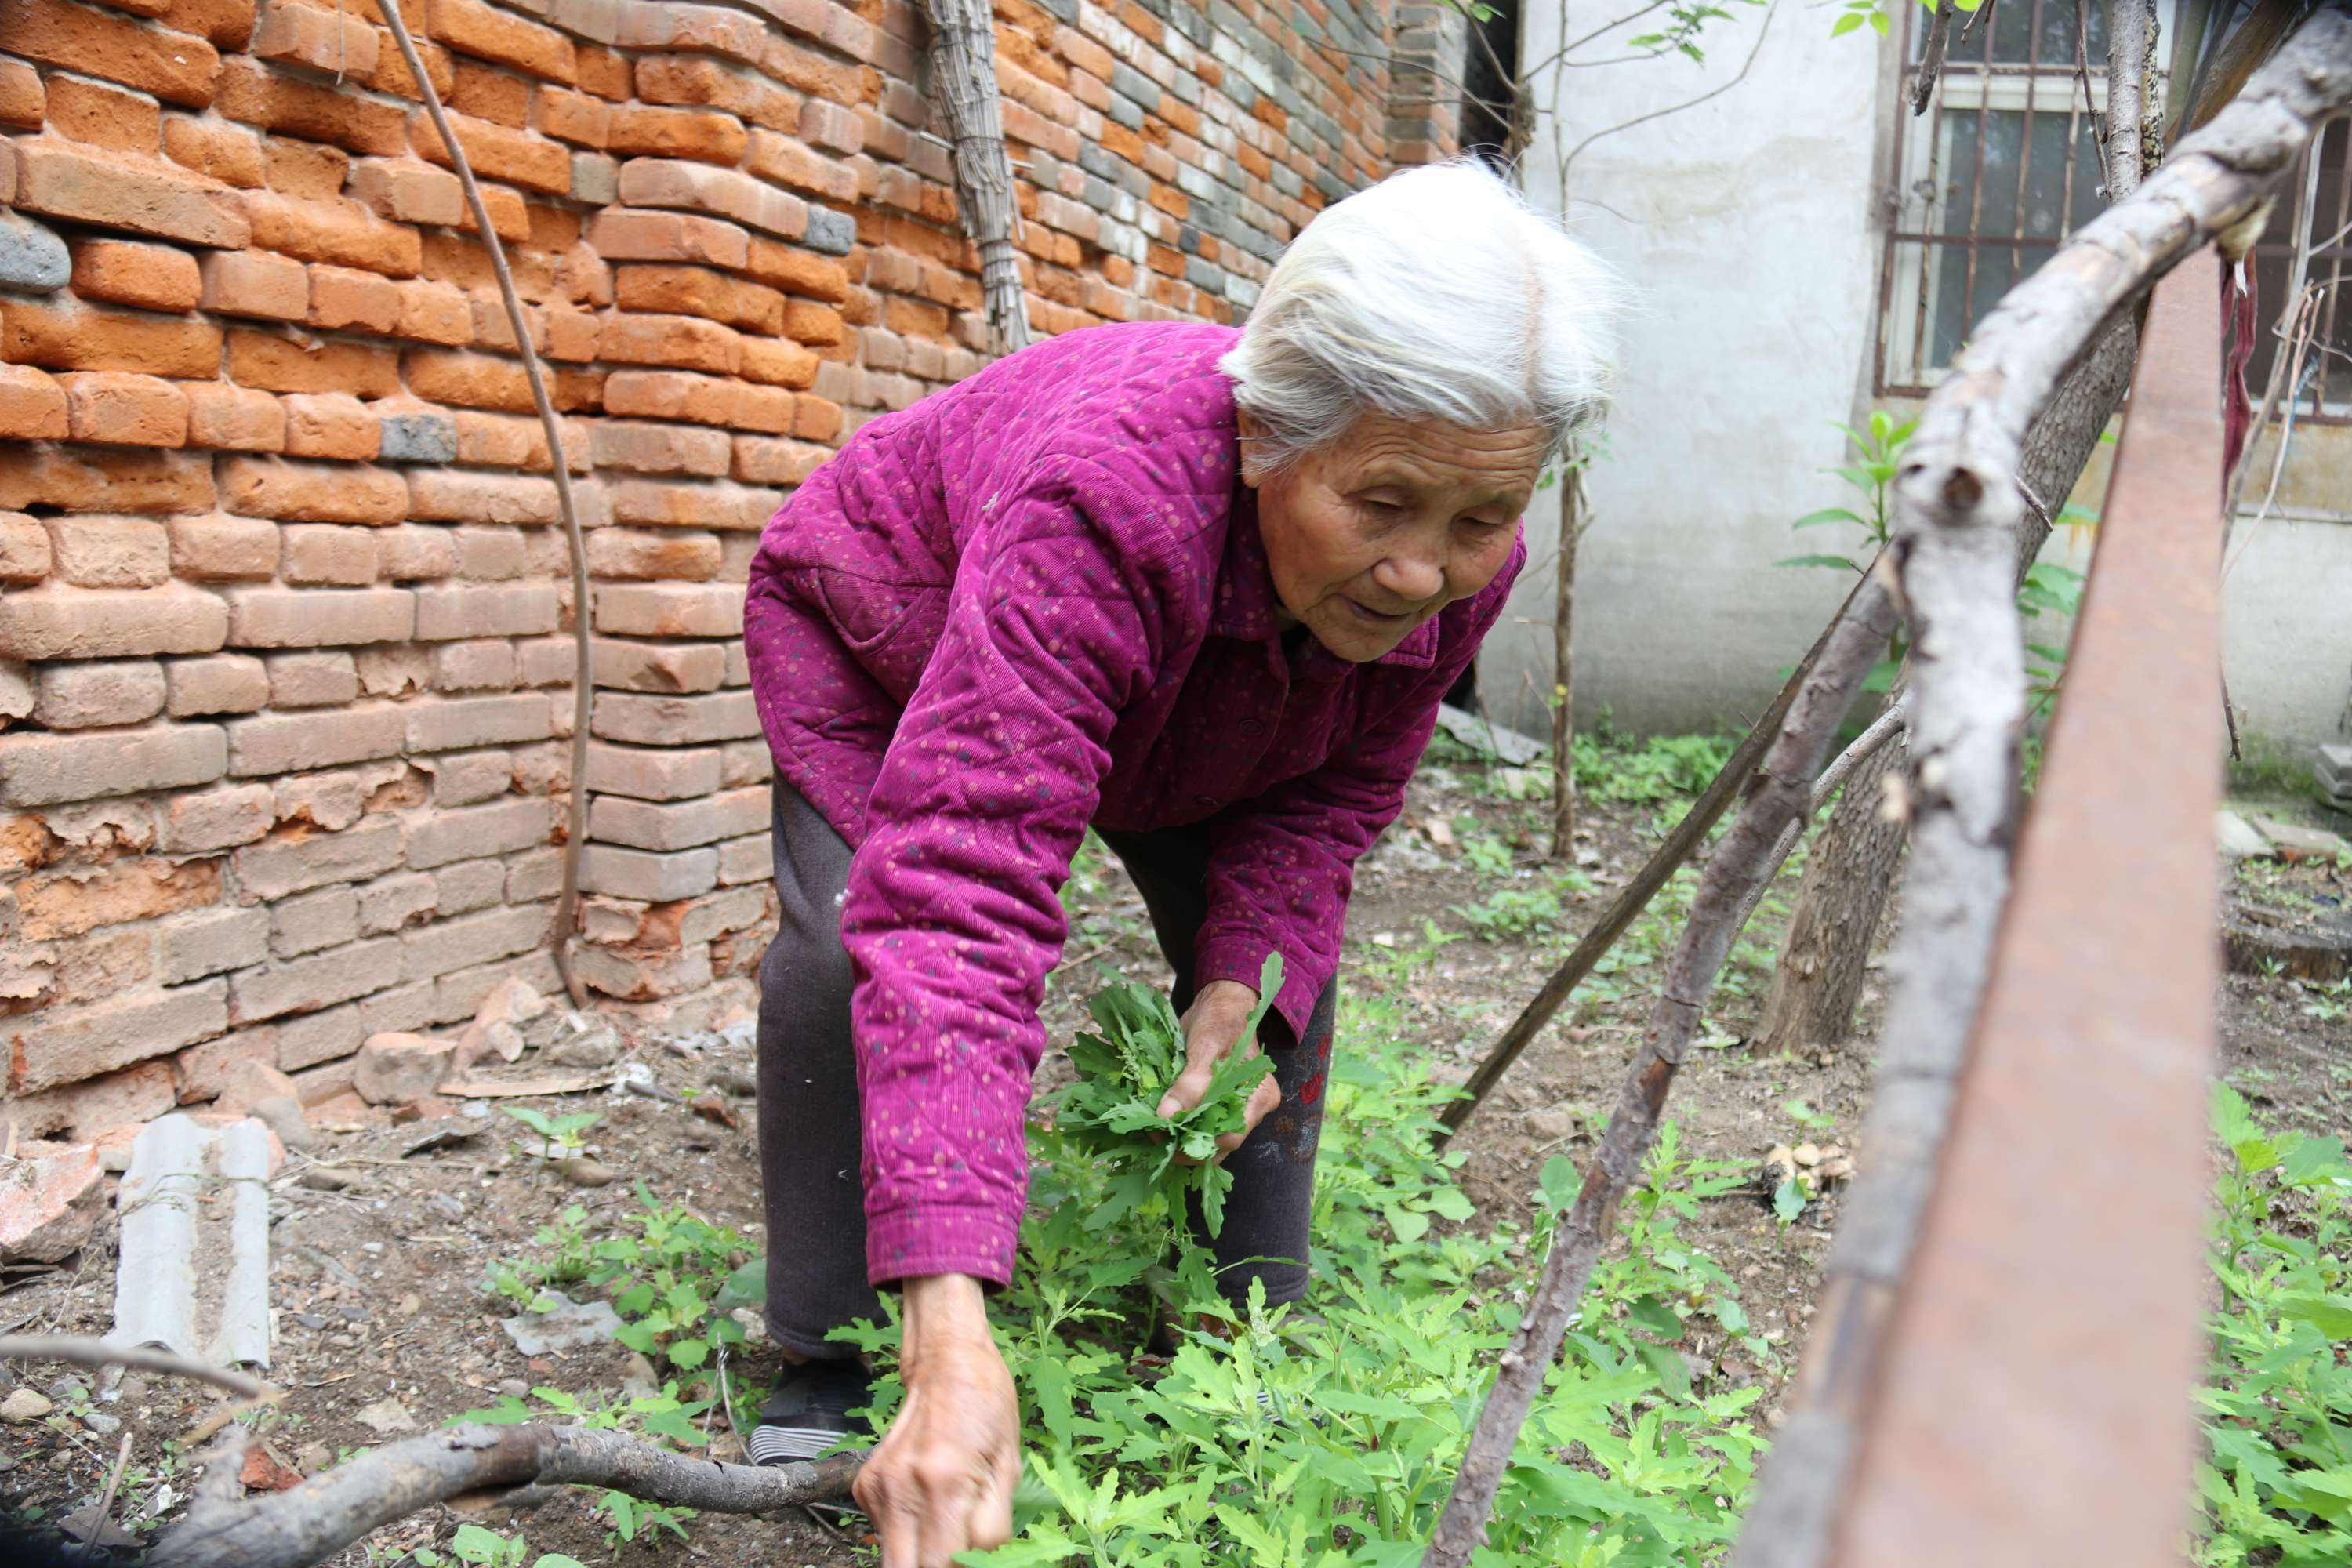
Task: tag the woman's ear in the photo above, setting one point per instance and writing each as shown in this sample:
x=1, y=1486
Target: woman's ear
x=1253, y=437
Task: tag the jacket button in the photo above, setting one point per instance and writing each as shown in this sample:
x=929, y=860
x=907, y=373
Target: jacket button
x=1253, y=727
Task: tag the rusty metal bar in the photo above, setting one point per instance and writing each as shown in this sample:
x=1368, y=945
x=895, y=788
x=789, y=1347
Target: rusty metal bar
x=2035, y=1406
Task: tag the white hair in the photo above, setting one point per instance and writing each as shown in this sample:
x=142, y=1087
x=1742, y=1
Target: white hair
x=1437, y=293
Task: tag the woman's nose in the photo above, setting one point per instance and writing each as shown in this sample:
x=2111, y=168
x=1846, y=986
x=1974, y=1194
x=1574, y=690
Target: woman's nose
x=1415, y=577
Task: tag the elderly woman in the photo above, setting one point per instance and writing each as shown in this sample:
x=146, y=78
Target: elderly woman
x=1198, y=588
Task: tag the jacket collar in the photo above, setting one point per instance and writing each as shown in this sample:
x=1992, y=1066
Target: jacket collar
x=1247, y=609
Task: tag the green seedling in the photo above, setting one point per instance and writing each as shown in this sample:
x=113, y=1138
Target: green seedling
x=568, y=1133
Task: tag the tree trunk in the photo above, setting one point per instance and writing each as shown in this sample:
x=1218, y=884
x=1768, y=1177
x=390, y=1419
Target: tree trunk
x=1853, y=864
x=963, y=72
x=1563, y=659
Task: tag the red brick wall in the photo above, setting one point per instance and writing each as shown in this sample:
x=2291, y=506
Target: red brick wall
x=285, y=622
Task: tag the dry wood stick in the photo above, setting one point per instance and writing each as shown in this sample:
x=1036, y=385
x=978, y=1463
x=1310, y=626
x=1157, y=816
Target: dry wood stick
x=1931, y=57
x=583, y=686
x=963, y=67
x=1665, y=861
x=80, y=1351
x=1781, y=793
x=311, y=1522
x=1956, y=509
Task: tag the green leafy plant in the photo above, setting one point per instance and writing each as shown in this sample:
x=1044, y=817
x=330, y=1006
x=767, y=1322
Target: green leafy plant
x=1114, y=1106
x=479, y=1548
x=1511, y=912
x=633, y=1517
x=567, y=1132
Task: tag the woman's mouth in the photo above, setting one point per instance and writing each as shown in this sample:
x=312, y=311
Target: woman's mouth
x=1371, y=617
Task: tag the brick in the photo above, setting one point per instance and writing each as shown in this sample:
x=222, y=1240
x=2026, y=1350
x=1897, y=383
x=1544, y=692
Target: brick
x=815, y=419
x=279, y=742
x=469, y=380
x=125, y=409
x=322, y=980
x=255, y=283
x=67, y=902
x=461, y=723
x=639, y=874
x=652, y=554
x=545, y=661
x=644, y=824
x=408, y=190
x=333, y=41
x=174, y=66
x=235, y=1071
x=24, y=549
x=214, y=148
x=225, y=683
x=472, y=28
x=669, y=610
x=389, y=904
x=704, y=135
x=618, y=235
x=471, y=885
x=635, y=975
x=84, y=1111
x=32, y=405
x=491, y=554
x=796, y=271
x=779, y=361
x=24, y=102
x=320, y=1049
x=649, y=448
x=686, y=342
x=319, y=617
x=314, y=492
x=92, y=693
x=768, y=461
x=411, y=555
x=485, y=665
x=724, y=193
x=667, y=505
x=699, y=291
x=700, y=399
x=342, y=298
x=467, y=778
x=450, y=496
x=204, y=820
x=274, y=364
x=327, y=917
x=436, y=313
x=421, y=435
x=649, y=775
x=448, y=946
x=155, y=277
x=102, y=478
x=665, y=720
x=198, y=942
x=329, y=556
x=312, y=679
x=57, y=622
x=332, y=229
x=71, y=1044
x=797, y=166
x=333, y=424
x=533, y=875
x=315, y=111
x=746, y=763
x=497, y=153
x=67, y=335
x=224, y=418
x=573, y=117
x=298, y=858
x=439, y=838
x=110, y=552
x=59, y=179
x=219, y=548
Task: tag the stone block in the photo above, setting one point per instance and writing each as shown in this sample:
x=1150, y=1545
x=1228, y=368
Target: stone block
x=320, y=980
x=438, y=838
x=70, y=1045
x=197, y=942
x=49, y=770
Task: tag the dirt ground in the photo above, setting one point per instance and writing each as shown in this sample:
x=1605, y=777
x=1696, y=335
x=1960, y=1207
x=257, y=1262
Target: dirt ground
x=378, y=1288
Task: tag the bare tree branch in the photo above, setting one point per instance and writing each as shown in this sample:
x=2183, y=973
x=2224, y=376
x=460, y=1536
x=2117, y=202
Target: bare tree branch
x=1753, y=50
x=2131, y=42
x=311, y=1522
x=1931, y=57
x=1726, y=892
x=98, y=1353
x=1957, y=510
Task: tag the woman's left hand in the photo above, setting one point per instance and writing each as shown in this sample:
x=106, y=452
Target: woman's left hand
x=1212, y=1031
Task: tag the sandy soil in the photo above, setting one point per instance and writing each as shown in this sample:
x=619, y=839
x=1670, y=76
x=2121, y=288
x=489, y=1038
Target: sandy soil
x=379, y=1287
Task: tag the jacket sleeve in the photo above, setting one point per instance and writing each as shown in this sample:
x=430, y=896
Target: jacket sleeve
x=952, y=915
x=1281, y=866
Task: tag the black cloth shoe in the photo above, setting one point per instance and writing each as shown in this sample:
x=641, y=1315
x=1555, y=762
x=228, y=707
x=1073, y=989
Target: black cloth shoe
x=808, y=1412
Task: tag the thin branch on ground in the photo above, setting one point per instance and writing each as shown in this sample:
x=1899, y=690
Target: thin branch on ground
x=1956, y=521
x=559, y=462
x=1778, y=797
x=312, y=1521
x=90, y=1352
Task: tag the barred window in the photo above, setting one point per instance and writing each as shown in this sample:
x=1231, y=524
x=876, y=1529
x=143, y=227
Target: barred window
x=2005, y=165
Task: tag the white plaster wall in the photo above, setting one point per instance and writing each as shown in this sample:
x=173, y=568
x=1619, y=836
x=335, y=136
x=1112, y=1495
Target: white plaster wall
x=1742, y=226
x=1746, y=227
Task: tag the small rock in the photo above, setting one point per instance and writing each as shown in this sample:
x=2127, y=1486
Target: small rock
x=582, y=1172
x=2239, y=840
x=50, y=1197
x=396, y=1069
x=596, y=1049
x=728, y=1080
x=637, y=1379
x=386, y=1417
x=282, y=1114
x=568, y=1326
x=314, y=1456
x=114, y=1147
x=92, y=1528
x=262, y=1472
x=98, y=1421
x=515, y=1387
x=24, y=1404
x=324, y=1179
x=1551, y=1121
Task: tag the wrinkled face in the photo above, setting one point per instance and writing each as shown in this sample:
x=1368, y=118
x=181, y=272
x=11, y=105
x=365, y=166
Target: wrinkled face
x=1373, y=534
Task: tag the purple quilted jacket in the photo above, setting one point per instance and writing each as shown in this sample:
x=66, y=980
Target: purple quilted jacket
x=1036, y=600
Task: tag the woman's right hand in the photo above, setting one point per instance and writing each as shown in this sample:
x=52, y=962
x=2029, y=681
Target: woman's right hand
x=942, y=1480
